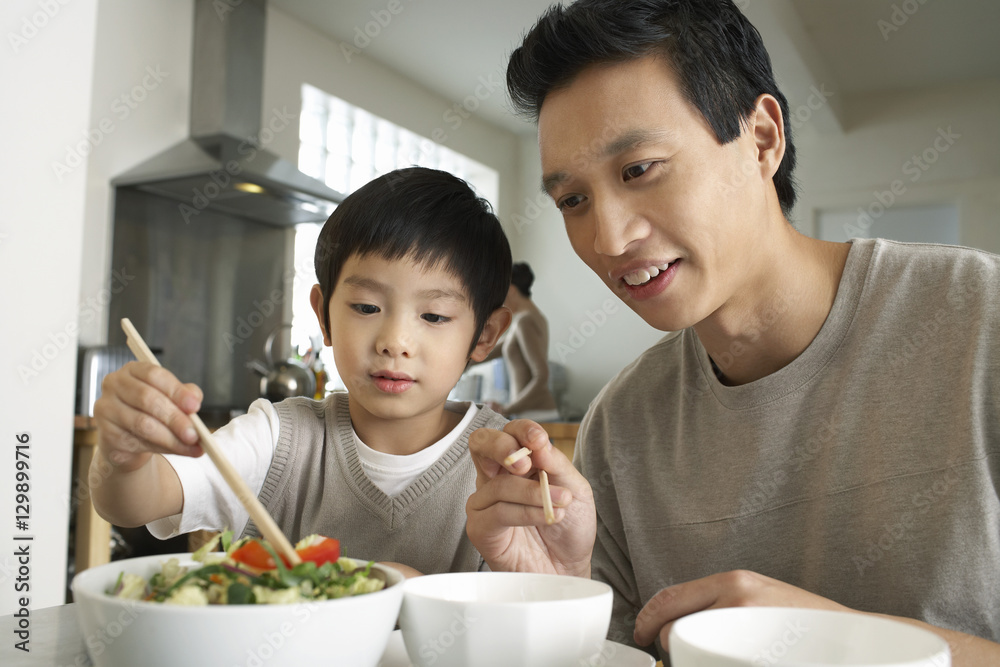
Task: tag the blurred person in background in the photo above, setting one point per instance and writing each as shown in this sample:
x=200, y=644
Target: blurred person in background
x=525, y=350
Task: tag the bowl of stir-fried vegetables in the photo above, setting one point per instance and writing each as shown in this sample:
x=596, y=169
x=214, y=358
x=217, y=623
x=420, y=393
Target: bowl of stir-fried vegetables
x=243, y=605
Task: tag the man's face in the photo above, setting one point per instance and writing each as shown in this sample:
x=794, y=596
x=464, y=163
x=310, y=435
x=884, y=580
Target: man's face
x=664, y=214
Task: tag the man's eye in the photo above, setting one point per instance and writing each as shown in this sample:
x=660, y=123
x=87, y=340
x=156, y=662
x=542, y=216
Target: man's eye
x=434, y=319
x=636, y=170
x=365, y=308
x=572, y=201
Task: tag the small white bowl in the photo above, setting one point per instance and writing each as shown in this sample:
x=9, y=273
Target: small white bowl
x=502, y=619
x=127, y=633
x=780, y=637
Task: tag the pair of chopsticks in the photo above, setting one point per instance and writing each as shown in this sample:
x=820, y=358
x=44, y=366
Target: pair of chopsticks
x=257, y=512
x=543, y=479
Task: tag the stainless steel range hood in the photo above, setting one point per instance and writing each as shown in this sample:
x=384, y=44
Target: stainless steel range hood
x=224, y=165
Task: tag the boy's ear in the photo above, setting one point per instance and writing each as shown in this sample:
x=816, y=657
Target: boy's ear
x=316, y=299
x=496, y=324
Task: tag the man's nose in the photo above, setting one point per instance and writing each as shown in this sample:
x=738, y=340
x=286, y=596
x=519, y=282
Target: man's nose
x=616, y=226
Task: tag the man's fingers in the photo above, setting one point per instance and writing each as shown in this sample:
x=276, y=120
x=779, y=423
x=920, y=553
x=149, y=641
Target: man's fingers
x=670, y=604
x=490, y=447
x=528, y=434
x=511, y=515
x=517, y=491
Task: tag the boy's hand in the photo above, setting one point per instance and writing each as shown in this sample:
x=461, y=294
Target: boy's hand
x=143, y=409
x=506, y=522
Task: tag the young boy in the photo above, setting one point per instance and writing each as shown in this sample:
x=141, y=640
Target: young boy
x=413, y=269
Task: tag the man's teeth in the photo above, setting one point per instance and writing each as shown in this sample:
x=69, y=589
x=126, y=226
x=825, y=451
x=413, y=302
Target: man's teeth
x=645, y=275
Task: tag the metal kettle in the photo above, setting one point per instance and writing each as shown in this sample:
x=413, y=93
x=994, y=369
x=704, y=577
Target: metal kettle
x=285, y=379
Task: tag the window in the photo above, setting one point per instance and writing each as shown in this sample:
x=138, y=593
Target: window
x=345, y=147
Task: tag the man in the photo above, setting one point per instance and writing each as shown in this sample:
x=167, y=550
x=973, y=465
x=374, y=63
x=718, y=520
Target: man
x=822, y=431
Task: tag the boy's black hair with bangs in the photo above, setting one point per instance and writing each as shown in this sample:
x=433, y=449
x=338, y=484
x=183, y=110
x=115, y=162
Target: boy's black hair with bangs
x=717, y=53
x=430, y=216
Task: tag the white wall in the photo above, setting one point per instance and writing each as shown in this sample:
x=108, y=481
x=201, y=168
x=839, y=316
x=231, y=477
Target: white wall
x=141, y=91
x=298, y=54
x=47, y=83
x=884, y=132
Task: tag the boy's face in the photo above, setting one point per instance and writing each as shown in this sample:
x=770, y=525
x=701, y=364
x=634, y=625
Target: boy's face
x=642, y=182
x=400, y=334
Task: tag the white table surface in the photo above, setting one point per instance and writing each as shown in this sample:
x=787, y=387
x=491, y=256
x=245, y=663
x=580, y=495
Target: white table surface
x=55, y=640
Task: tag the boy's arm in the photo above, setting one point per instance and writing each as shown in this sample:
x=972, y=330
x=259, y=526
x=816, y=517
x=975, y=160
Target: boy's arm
x=131, y=498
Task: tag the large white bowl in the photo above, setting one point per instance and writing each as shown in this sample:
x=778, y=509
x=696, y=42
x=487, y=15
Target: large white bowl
x=779, y=637
x=504, y=619
x=125, y=633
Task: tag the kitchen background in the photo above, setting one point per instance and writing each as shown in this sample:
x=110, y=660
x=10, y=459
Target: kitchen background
x=895, y=105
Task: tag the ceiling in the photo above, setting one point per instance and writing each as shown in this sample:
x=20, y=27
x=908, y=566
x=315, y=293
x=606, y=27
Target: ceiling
x=851, y=46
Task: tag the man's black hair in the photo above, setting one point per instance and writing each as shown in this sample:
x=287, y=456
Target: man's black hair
x=426, y=215
x=718, y=55
x=522, y=277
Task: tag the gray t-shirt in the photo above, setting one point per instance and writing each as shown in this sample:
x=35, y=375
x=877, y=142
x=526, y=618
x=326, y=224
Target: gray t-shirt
x=866, y=471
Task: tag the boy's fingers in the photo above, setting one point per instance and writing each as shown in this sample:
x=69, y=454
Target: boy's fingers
x=152, y=405
x=197, y=395
x=140, y=410
x=187, y=397
x=156, y=391
x=121, y=443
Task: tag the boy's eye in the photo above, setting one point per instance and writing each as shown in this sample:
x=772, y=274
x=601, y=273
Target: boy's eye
x=365, y=308
x=434, y=319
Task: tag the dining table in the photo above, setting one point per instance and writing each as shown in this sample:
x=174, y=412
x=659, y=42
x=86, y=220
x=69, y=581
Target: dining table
x=55, y=641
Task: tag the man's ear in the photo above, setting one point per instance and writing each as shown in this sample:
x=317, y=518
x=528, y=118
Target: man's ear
x=497, y=323
x=769, y=135
x=316, y=299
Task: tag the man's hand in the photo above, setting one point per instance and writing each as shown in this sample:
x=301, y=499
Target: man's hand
x=506, y=522
x=407, y=571
x=739, y=588
x=749, y=589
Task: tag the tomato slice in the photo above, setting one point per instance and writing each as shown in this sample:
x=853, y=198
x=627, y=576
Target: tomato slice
x=254, y=555
x=319, y=550
x=326, y=550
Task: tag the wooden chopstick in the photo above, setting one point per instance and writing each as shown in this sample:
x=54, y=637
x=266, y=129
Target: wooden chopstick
x=257, y=511
x=517, y=456
x=550, y=515
x=543, y=478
